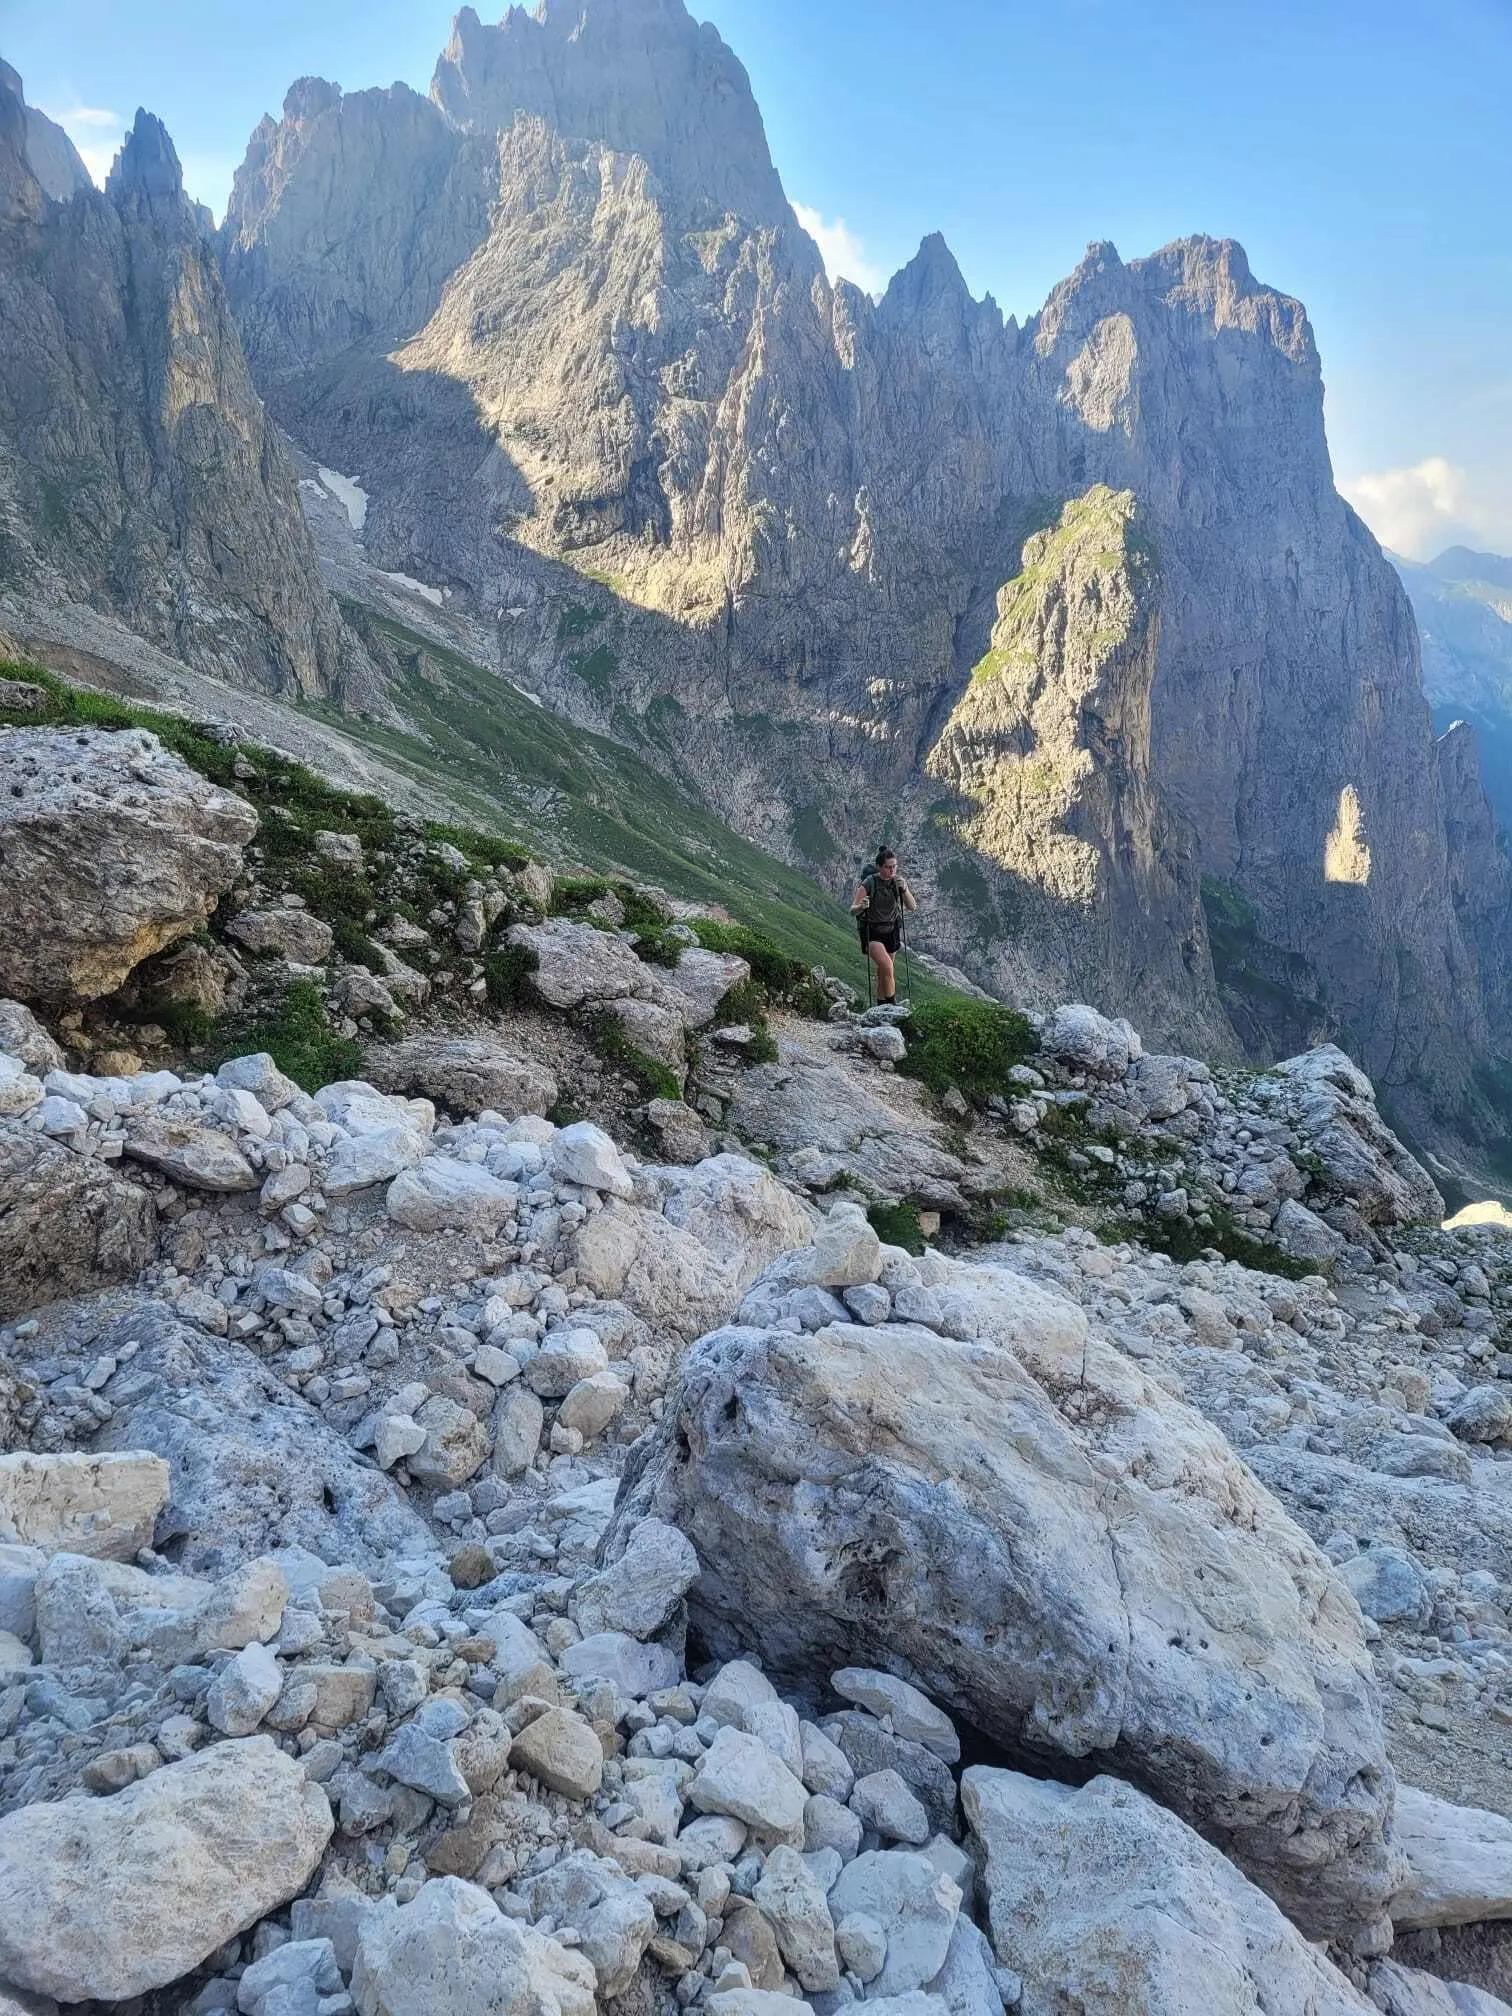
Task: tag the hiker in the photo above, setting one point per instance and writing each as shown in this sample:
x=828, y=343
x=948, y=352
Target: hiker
x=879, y=902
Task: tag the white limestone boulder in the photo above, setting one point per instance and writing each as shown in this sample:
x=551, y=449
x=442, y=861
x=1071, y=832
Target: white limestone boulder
x=1033, y=1531
x=1104, y=1902
x=75, y=1503
x=109, y=1898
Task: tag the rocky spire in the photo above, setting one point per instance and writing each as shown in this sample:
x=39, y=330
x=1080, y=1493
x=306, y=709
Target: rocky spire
x=146, y=174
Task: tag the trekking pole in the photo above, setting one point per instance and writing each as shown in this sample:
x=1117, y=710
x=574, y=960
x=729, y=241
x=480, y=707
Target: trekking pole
x=907, y=964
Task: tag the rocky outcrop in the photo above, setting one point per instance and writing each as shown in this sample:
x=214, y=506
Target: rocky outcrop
x=463, y=1075
x=141, y=473
x=1013, y=1515
x=111, y=848
x=50, y=154
x=67, y=1225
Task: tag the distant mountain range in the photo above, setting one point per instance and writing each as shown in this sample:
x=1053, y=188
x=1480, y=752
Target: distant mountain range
x=1463, y=604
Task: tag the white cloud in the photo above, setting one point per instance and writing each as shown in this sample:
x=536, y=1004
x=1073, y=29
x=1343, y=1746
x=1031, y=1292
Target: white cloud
x=1417, y=512
x=844, y=256
x=95, y=131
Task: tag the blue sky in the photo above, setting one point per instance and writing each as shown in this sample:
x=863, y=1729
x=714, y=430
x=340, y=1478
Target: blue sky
x=1358, y=151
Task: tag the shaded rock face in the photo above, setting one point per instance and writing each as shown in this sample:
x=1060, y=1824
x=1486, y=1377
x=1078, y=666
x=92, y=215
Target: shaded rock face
x=1056, y=1550
x=50, y=154
x=561, y=313
x=140, y=472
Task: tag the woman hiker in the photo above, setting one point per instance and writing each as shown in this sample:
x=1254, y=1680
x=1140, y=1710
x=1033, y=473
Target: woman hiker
x=879, y=902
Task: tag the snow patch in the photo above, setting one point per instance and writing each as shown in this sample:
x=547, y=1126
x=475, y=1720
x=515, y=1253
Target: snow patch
x=349, y=493
x=432, y=595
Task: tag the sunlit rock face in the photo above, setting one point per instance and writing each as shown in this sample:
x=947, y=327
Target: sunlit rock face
x=560, y=323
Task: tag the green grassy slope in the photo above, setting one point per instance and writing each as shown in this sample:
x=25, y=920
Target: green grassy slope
x=552, y=786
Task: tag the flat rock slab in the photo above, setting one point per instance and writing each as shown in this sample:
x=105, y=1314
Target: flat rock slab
x=108, y=1898
x=1459, y=1859
x=105, y=1506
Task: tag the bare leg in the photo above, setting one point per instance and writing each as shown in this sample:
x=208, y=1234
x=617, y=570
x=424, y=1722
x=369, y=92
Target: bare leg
x=881, y=958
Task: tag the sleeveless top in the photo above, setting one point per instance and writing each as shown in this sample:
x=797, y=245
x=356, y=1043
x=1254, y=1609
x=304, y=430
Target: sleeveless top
x=885, y=903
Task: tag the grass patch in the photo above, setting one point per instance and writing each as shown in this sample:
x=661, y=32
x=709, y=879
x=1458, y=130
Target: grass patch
x=897, y=1225
x=972, y=1045
x=573, y=895
x=297, y=1034
x=609, y=1039
x=778, y=975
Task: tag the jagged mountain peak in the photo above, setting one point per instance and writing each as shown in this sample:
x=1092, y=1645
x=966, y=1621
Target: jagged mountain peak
x=929, y=297
x=147, y=168
x=640, y=76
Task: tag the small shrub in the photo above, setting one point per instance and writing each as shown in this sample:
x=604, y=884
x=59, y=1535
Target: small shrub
x=762, y=1048
x=969, y=1044
x=897, y=1225
x=642, y=911
x=485, y=849
x=572, y=894
x=657, y=948
x=356, y=947
x=185, y=1023
x=744, y=1002
x=779, y=976
x=506, y=974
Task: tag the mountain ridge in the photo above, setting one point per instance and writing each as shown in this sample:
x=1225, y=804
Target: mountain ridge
x=796, y=508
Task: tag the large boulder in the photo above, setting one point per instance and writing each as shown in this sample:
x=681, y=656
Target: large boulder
x=110, y=849
x=684, y=1268
x=68, y=1224
x=1332, y=1105
x=105, y=1506
x=821, y=1117
x=463, y=1074
x=451, y=1948
x=577, y=966
x=22, y=1036
x=1106, y=1903
x=108, y=1898
x=1035, y=1532
x=699, y=982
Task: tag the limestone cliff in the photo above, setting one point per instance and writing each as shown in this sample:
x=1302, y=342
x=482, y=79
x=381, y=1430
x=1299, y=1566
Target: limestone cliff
x=139, y=471
x=563, y=327
x=1086, y=881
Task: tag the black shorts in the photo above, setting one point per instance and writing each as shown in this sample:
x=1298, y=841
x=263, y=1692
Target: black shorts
x=885, y=935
